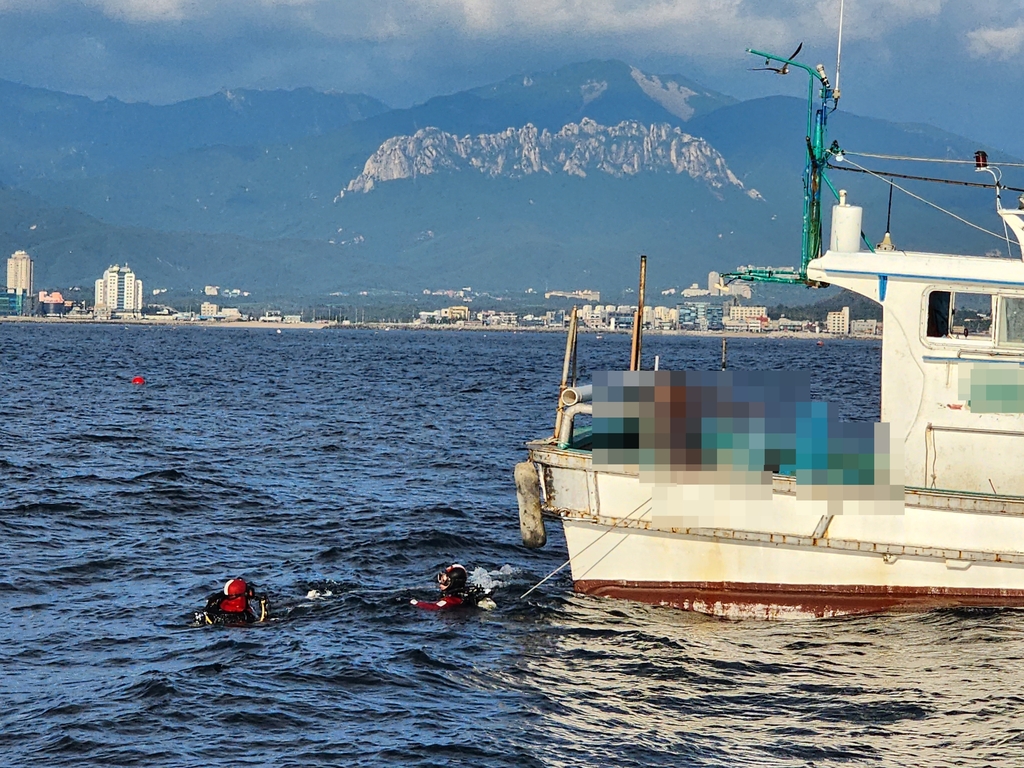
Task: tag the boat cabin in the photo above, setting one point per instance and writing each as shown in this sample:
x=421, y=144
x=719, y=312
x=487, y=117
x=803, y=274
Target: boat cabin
x=952, y=358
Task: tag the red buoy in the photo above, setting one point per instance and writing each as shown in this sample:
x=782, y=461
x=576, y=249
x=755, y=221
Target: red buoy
x=138, y=380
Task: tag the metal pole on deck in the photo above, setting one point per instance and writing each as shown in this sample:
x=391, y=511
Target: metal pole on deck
x=635, y=352
x=723, y=353
x=575, y=348
x=570, y=360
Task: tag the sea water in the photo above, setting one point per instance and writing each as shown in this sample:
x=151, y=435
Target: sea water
x=339, y=471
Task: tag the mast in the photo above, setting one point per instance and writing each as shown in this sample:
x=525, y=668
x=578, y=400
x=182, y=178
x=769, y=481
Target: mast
x=635, y=352
x=818, y=95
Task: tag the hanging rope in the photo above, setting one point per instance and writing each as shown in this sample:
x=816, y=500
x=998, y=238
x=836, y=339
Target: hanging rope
x=559, y=568
x=961, y=219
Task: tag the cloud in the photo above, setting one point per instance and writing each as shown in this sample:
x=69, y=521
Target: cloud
x=405, y=51
x=718, y=25
x=148, y=10
x=18, y=6
x=999, y=42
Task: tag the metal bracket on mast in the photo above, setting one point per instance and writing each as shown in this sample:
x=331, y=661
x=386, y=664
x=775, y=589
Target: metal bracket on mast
x=817, y=156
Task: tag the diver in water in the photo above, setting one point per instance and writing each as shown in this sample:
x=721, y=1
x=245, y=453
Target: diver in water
x=456, y=591
x=233, y=605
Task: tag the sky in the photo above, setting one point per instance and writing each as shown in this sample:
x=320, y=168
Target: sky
x=956, y=64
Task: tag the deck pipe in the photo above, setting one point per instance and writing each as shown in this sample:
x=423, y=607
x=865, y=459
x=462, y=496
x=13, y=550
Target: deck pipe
x=568, y=416
x=573, y=395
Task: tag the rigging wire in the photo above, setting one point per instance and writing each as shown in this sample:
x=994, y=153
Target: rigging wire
x=926, y=159
x=924, y=178
x=926, y=202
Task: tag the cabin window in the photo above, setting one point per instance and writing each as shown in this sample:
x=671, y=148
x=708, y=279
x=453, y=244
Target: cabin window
x=961, y=315
x=1011, y=321
x=938, y=314
x=972, y=315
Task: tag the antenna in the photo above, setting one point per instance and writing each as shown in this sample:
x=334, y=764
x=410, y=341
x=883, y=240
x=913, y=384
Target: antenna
x=839, y=53
x=886, y=244
x=888, y=216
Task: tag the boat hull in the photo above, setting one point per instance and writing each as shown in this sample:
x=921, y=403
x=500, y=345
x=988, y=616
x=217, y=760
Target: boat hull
x=945, y=549
x=773, y=601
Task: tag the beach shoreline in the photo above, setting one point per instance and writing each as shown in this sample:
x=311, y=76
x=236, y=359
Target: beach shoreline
x=384, y=326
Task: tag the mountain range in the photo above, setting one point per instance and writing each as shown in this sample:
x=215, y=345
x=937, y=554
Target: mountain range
x=545, y=180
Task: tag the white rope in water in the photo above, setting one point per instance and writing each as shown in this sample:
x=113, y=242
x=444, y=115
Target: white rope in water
x=926, y=202
x=559, y=568
x=927, y=159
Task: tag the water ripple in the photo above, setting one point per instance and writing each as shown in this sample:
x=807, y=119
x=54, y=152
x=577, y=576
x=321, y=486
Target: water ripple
x=339, y=471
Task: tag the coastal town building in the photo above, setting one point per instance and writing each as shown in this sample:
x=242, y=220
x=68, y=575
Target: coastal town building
x=12, y=303
x=746, y=319
x=699, y=316
x=787, y=324
x=696, y=290
x=665, y=319
x=208, y=309
x=838, y=323
x=449, y=292
x=53, y=304
x=621, y=318
x=865, y=327
x=590, y=316
x=499, y=319
x=19, y=273
x=118, y=292
x=737, y=312
x=594, y=296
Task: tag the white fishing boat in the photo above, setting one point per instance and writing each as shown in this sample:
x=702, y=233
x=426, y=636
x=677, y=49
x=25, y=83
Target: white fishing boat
x=782, y=541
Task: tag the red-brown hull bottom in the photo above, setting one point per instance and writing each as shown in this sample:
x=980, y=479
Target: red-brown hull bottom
x=775, y=600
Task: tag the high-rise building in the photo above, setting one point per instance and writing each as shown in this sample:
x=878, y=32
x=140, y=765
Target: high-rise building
x=713, y=280
x=838, y=323
x=700, y=315
x=19, y=273
x=118, y=291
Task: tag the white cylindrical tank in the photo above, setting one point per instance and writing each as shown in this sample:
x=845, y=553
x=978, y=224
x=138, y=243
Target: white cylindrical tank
x=846, y=226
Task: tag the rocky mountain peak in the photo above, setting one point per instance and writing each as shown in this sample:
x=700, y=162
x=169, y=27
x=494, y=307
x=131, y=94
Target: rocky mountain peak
x=578, y=149
x=670, y=94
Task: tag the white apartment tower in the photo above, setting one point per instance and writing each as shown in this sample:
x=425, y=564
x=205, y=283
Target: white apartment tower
x=19, y=273
x=838, y=323
x=119, y=291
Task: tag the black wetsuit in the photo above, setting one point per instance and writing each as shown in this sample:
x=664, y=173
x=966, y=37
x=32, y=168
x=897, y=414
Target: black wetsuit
x=214, y=612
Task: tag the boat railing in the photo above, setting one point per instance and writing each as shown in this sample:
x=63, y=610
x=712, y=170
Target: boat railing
x=565, y=426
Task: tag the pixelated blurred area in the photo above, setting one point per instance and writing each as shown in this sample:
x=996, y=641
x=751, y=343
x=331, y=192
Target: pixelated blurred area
x=722, y=436
x=991, y=387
